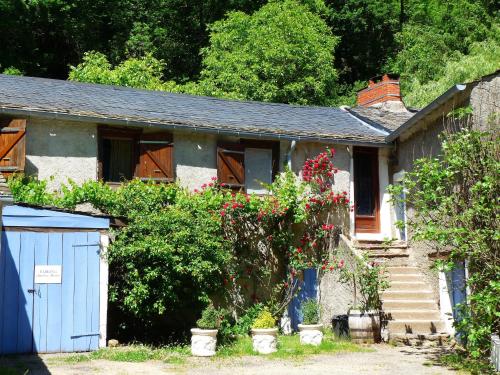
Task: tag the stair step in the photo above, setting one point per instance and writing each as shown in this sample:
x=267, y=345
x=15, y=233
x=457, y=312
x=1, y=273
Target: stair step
x=416, y=326
x=408, y=285
x=407, y=294
x=405, y=277
x=420, y=340
x=408, y=304
x=399, y=314
x=403, y=269
x=380, y=245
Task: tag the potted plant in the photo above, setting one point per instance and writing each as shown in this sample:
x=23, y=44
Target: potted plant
x=369, y=279
x=310, y=329
x=204, y=337
x=264, y=333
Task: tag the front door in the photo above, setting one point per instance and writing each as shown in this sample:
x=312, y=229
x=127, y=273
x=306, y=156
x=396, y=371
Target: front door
x=366, y=190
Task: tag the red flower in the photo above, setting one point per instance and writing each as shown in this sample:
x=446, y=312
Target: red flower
x=299, y=250
x=323, y=267
x=223, y=213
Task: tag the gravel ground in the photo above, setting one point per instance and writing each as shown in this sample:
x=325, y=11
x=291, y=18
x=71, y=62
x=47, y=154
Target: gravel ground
x=384, y=360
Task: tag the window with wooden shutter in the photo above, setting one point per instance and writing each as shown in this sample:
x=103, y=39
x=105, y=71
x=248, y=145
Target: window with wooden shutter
x=156, y=157
x=12, y=145
x=231, y=165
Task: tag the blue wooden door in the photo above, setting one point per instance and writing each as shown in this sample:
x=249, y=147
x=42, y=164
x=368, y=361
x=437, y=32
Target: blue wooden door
x=308, y=290
x=49, y=317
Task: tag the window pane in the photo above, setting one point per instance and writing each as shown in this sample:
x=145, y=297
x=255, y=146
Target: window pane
x=364, y=195
x=117, y=159
x=258, y=168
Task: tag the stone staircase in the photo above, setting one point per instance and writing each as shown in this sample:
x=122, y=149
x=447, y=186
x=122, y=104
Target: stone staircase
x=411, y=313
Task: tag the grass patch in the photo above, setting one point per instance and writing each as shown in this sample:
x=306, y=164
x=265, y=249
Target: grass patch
x=459, y=361
x=290, y=347
x=133, y=353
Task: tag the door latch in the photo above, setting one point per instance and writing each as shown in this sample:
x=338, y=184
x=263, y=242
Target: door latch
x=31, y=290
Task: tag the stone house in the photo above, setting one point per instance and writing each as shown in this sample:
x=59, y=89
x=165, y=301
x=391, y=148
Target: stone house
x=59, y=129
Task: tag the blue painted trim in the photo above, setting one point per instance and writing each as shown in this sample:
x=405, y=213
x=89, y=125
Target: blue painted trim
x=19, y=216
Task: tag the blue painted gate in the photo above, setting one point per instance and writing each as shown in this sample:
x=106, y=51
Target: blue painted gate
x=308, y=290
x=49, y=317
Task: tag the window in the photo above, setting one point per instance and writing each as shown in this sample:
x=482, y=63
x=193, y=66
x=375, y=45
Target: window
x=125, y=154
x=247, y=164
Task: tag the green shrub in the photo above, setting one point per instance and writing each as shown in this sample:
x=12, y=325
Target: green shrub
x=310, y=311
x=264, y=320
x=211, y=318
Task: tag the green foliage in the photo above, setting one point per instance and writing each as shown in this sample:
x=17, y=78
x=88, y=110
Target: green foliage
x=459, y=361
x=245, y=321
x=483, y=59
x=211, y=318
x=12, y=71
x=310, y=311
x=369, y=279
x=281, y=53
x=144, y=72
x=456, y=203
x=264, y=320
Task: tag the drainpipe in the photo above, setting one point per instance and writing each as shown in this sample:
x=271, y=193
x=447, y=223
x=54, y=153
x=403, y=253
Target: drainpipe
x=289, y=156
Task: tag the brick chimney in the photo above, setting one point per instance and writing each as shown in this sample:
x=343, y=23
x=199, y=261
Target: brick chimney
x=380, y=89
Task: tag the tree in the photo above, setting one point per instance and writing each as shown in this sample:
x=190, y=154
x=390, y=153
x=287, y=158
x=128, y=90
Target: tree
x=281, y=53
x=142, y=72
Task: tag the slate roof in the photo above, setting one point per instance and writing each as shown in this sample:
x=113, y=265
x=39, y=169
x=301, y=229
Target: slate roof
x=389, y=120
x=126, y=106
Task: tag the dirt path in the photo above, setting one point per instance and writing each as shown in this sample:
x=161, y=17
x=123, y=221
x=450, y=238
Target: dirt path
x=384, y=360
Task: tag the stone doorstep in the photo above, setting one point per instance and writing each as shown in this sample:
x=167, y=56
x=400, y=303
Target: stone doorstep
x=407, y=294
x=424, y=340
x=418, y=326
x=409, y=304
x=400, y=314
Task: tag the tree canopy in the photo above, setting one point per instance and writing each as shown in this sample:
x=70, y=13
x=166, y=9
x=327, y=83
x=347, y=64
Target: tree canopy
x=199, y=44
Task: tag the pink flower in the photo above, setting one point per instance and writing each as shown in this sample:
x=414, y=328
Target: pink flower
x=214, y=178
x=223, y=213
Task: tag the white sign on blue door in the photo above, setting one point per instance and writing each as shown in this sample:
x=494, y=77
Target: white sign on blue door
x=47, y=274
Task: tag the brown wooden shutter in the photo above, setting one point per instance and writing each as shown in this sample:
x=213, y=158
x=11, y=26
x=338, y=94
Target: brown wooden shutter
x=12, y=145
x=231, y=165
x=156, y=157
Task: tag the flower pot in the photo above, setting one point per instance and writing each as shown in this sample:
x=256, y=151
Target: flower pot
x=311, y=334
x=264, y=340
x=364, y=327
x=203, y=342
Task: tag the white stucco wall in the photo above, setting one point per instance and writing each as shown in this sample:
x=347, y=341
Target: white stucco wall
x=57, y=150
x=195, y=158
x=341, y=161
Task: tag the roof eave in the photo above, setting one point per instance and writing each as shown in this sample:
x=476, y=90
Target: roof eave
x=333, y=139
x=436, y=103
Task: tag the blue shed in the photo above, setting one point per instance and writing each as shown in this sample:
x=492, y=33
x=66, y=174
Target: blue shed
x=53, y=281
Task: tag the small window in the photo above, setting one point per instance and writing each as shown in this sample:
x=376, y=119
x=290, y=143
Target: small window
x=117, y=159
x=258, y=169
x=248, y=164
x=125, y=154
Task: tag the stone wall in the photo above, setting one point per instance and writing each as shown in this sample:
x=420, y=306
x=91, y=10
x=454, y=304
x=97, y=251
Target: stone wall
x=485, y=102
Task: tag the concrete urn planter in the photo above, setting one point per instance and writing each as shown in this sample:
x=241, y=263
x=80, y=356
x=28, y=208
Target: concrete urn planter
x=203, y=342
x=264, y=340
x=311, y=334
x=364, y=326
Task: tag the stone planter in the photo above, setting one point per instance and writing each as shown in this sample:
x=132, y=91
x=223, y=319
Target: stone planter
x=203, y=342
x=264, y=340
x=311, y=334
x=364, y=327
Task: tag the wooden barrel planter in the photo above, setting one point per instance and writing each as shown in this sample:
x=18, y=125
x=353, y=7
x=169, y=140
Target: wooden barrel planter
x=364, y=327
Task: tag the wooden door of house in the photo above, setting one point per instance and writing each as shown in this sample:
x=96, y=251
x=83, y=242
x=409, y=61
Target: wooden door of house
x=49, y=294
x=366, y=190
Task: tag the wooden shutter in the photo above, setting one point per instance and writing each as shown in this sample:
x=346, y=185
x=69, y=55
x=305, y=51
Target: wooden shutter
x=156, y=157
x=231, y=165
x=12, y=145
